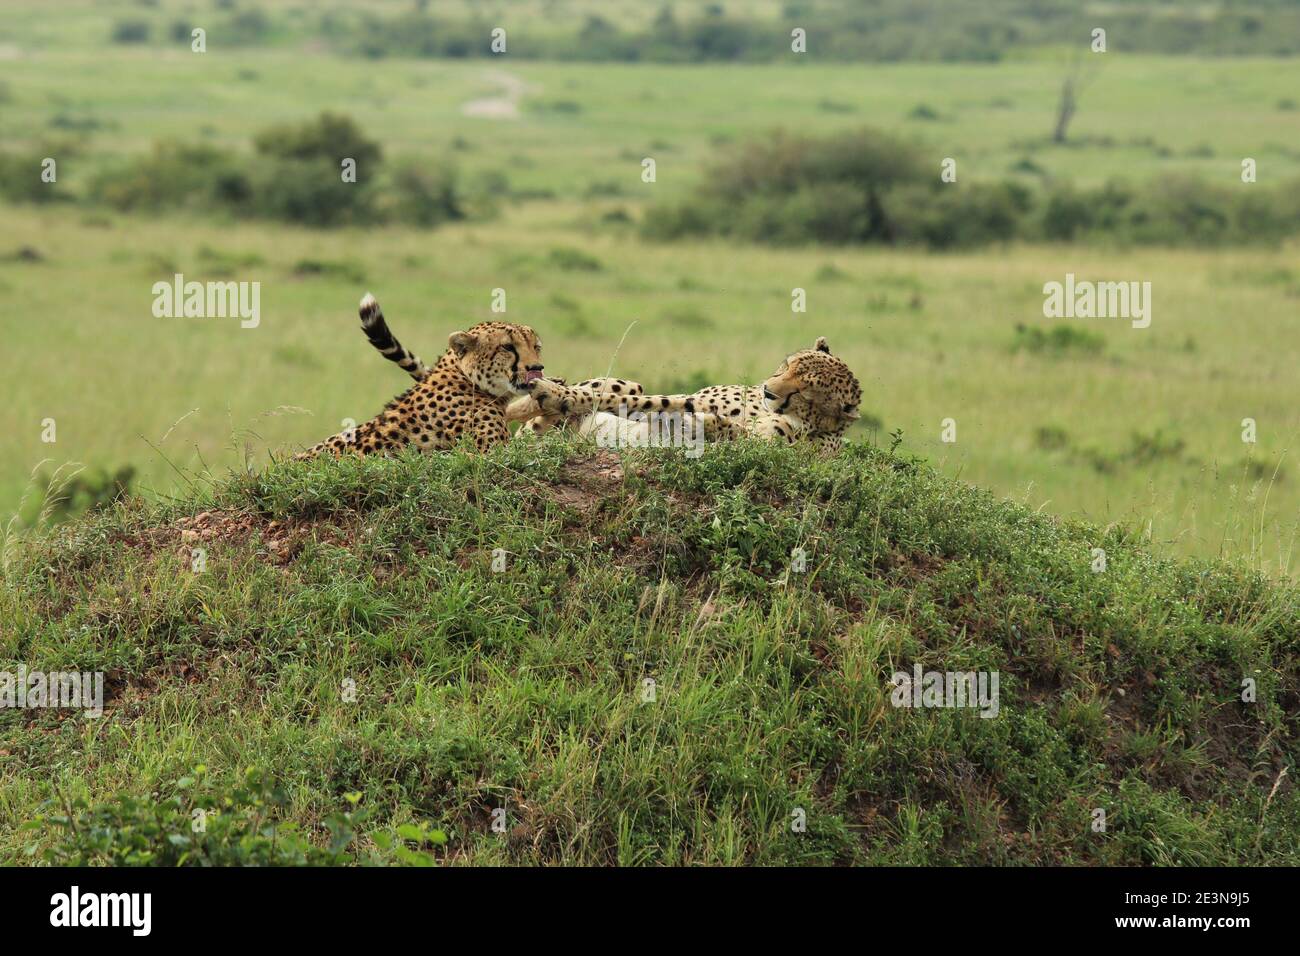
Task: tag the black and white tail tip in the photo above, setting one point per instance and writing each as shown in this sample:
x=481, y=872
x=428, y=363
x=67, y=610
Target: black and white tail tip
x=382, y=338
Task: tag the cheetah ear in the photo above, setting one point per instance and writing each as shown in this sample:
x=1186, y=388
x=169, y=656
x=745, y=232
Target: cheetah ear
x=821, y=345
x=461, y=342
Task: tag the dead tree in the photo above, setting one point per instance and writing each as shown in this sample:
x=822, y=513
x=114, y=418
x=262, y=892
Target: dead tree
x=1077, y=79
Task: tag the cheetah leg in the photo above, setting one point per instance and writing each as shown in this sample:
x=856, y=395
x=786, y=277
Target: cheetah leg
x=566, y=400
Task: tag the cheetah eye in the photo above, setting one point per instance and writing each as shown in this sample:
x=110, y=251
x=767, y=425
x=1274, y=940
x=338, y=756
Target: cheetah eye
x=511, y=349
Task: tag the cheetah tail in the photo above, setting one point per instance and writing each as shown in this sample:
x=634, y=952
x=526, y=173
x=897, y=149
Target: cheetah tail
x=382, y=338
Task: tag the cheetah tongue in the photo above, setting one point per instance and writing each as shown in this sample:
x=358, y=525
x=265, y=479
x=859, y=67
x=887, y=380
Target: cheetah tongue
x=531, y=376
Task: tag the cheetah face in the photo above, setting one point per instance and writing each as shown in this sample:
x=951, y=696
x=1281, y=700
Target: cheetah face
x=815, y=388
x=499, y=358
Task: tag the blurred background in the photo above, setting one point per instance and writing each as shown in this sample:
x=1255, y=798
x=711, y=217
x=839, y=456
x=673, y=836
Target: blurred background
x=524, y=169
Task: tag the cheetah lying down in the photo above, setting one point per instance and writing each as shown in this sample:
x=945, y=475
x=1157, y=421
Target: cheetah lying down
x=466, y=392
x=492, y=375
x=812, y=396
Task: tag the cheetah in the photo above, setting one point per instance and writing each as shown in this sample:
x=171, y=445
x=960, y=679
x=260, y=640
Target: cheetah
x=376, y=329
x=381, y=337
x=464, y=393
x=812, y=396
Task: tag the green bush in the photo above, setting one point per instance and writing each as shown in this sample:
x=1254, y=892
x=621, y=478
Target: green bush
x=1058, y=340
x=1174, y=211
x=423, y=194
x=175, y=175
x=863, y=186
x=196, y=826
x=329, y=136
x=868, y=187
x=569, y=259
x=131, y=31
x=20, y=176
x=310, y=192
x=415, y=34
x=839, y=30
x=296, y=176
x=958, y=215
x=246, y=27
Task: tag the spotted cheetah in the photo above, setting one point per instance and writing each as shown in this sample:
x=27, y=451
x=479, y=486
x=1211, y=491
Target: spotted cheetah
x=812, y=396
x=465, y=393
x=382, y=338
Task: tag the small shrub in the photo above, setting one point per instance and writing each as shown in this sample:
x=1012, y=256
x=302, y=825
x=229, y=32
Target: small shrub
x=310, y=193
x=218, y=263
x=604, y=189
x=835, y=106
x=565, y=107
x=958, y=217
x=1051, y=438
x=830, y=272
x=330, y=136
x=174, y=174
x=573, y=260
x=1027, y=166
x=246, y=27
x=1144, y=449
x=347, y=271
x=1058, y=340
x=20, y=177
x=74, y=124
x=423, y=194
x=85, y=491
x=565, y=303
x=1256, y=470
x=687, y=317
x=240, y=828
x=131, y=31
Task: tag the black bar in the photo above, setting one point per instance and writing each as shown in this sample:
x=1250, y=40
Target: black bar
x=335, y=906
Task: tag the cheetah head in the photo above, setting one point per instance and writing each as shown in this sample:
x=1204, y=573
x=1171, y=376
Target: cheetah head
x=499, y=358
x=815, y=388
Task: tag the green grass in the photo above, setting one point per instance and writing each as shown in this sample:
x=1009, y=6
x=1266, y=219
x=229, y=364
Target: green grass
x=1141, y=118
x=522, y=688
x=930, y=337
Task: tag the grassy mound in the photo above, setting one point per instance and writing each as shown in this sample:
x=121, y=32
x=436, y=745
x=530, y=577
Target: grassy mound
x=378, y=657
